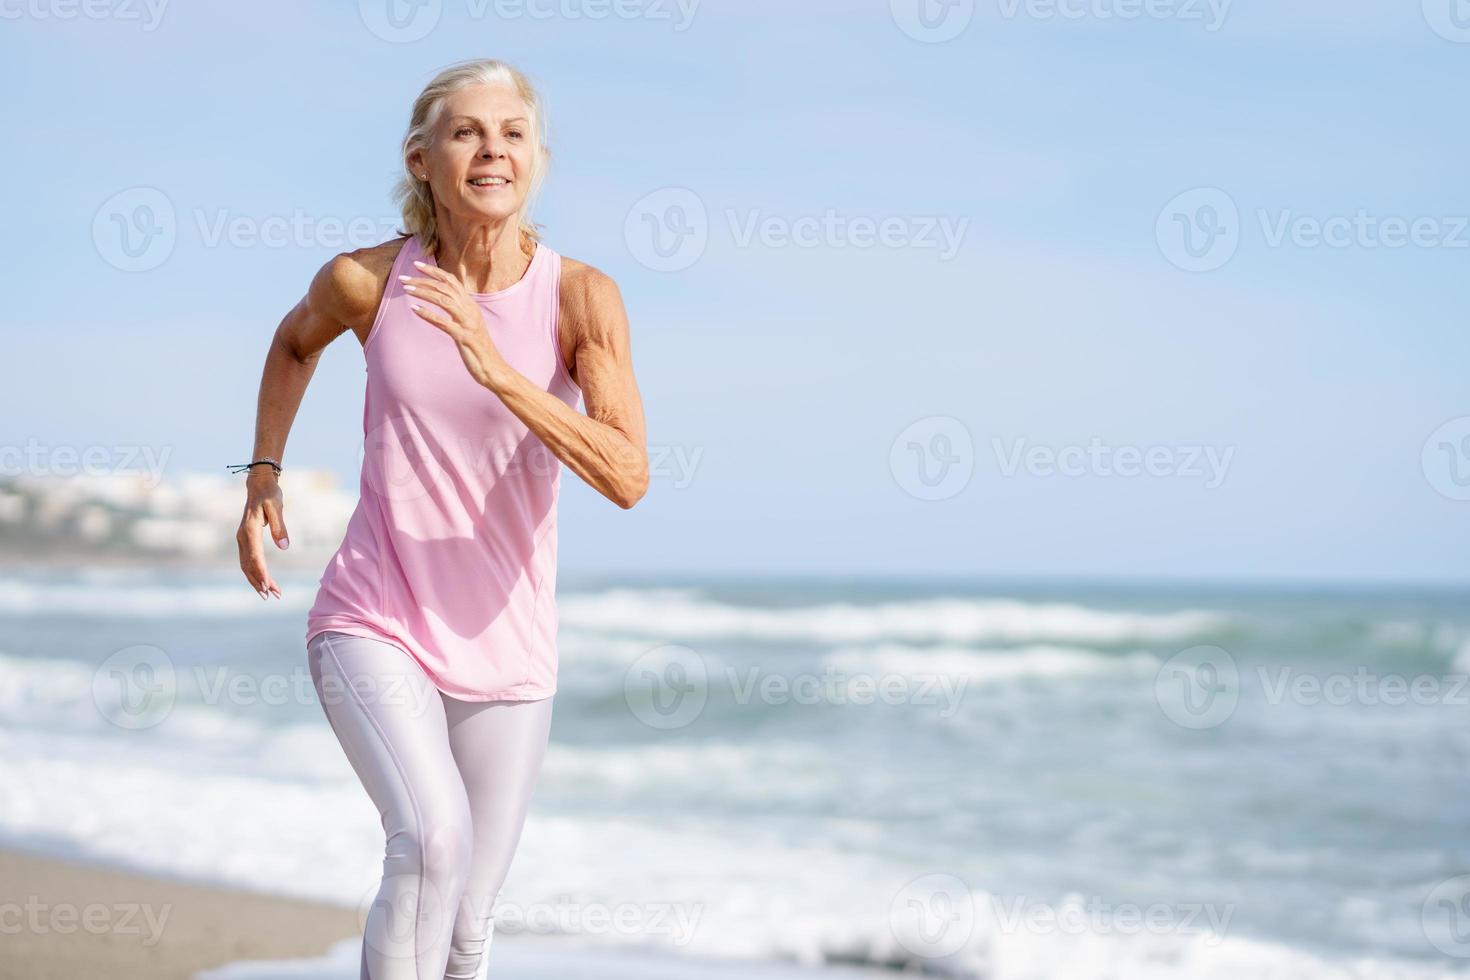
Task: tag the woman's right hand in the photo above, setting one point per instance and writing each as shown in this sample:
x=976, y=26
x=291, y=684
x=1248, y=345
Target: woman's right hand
x=263, y=505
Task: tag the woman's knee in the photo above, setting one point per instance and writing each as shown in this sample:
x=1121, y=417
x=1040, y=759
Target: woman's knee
x=446, y=844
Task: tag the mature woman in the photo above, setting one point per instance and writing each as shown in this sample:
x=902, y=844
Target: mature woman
x=432, y=641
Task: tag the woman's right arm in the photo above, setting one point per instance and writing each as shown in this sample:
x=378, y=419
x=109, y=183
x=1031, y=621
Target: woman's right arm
x=342, y=296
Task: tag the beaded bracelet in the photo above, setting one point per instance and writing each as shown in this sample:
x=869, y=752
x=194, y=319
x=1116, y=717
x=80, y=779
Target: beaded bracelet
x=242, y=467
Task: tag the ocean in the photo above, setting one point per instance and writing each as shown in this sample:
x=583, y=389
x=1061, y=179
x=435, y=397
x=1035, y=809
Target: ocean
x=977, y=780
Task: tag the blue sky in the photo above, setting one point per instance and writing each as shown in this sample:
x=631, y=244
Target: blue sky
x=819, y=399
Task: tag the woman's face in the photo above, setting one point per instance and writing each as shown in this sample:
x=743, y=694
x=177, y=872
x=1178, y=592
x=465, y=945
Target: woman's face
x=483, y=132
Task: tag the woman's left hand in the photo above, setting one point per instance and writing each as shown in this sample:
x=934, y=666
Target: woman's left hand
x=460, y=317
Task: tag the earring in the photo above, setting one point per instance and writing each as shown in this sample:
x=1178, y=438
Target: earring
x=423, y=176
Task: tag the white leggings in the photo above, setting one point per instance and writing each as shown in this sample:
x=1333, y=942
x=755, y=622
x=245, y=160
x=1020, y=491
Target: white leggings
x=452, y=780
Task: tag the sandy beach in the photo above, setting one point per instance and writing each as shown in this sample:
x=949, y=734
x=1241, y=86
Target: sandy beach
x=74, y=920
x=69, y=920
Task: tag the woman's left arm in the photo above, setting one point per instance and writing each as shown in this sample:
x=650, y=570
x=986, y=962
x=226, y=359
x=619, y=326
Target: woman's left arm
x=605, y=447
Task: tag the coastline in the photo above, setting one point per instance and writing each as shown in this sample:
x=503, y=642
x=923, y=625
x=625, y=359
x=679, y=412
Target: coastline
x=71, y=918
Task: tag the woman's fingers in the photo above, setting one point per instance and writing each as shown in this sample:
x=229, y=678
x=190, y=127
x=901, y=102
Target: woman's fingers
x=438, y=319
x=252, y=562
x=277, y=521
x=426, y=288
x=433, y=271
x=252, y=556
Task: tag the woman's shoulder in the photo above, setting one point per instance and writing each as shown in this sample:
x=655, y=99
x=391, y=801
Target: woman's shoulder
x=351, y=284
x=587, y=293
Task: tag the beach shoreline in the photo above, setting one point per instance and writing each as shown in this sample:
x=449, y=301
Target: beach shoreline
x=78, y=918
x=74, y=918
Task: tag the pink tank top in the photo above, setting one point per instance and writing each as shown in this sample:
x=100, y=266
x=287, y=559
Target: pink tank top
x=451, y=551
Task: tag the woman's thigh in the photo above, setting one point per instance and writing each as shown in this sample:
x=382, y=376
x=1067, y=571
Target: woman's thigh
x=390, y=720
x=499, y=747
